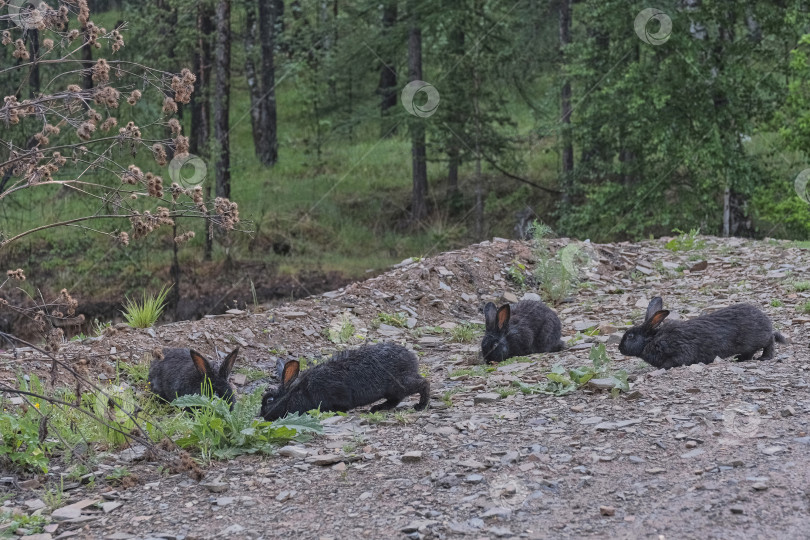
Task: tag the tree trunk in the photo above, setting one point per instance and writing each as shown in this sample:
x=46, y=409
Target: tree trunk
x=87, y=61
x=418, y=152
x=565, y=103
x=33, y=47
x=222, y=68
x=452, y=171
x=269, y=13
x=388, y=73
x=726, y=211
x=200, y=133
x=254, y=86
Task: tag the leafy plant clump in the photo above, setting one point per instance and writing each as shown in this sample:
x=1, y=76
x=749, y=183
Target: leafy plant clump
x=686, y=241
x=145, y=313
x=558, y=274
x=221, y=433
x=562, y=381
x=465, y=333
x=397, y=319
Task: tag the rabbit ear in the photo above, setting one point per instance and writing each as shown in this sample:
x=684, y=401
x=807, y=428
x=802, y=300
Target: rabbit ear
x=200, y=362
x=227, y=365
x=490, y=312
x=290, y=372
x=655, y=305
x=657, y=319
x=503, y=316
x=280, y=369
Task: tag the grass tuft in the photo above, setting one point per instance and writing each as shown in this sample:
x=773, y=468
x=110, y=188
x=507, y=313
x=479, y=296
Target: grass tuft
x=145, y=313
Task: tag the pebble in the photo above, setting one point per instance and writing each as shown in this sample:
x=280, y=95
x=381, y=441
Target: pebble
x=412, y=456
x=66, y=513
x=225, y=501
x=486, y=398
x=607, y=510
x=736, y=509
x=325, y=459
x=474, y=479
x=500, y=512
x=215, y=486
x=293, y=451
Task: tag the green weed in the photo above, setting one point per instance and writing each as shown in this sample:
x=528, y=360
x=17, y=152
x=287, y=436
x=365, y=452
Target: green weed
x=145, y=313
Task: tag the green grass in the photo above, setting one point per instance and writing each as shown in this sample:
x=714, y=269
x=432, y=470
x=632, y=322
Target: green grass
x=10, y=523
x=466, y=333
x=686, y=241
x=252, y=374
x=801, y=286
x=447, y=396
x=145, y=313
x=777, y=303
x=397, y=319
x=804, y=308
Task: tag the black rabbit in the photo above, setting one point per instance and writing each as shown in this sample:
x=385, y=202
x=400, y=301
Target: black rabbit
x=349, y=379
x=741, y=330
x=182, y=371
x=528, y=327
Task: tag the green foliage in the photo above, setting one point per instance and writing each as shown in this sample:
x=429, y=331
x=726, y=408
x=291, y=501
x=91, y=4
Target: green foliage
x=804, y=307
x=466, y=333
x=801, y=286
x=136, y=373
x=517, y=273
x=777, y=303
x=252, y=374
x=686, y=241
x=55, y=497
x=145, y=313
x=116, y=476
x=563, y=381
x=558, y=274
x=373, y=417
x=116, y=404
x=343, y=334
x=20, y=444
x=397, y=319
x=10, y=523
x=219, y=433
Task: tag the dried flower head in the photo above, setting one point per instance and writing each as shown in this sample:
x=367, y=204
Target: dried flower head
x=175, y=126
x=134, y=97
x=183, y=86
x=101, y=72
x=17, y=274
x=169, y=105
x=85, y=131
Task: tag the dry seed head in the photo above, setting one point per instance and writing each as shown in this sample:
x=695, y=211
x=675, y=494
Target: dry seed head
x=101, y=72
x=134, y=97
x=175, y=126
x=17, y=274
x=109, y=123
x=160, y=154
x=85, y=131
x=6, y=37
x=169, y=105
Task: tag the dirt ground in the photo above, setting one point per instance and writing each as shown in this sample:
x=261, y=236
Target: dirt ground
x=706, y=451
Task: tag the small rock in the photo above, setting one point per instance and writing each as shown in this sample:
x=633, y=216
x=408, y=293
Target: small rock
x=40, y=536
x=325, y=459
x=694, y=453
x=215, y=486
x=602, y=384
x=297, y=452
x=532, y=296
x=239, y=379
x=474, y=479
x=759, y=486
x=773, y=450
x=228, y=532
x=134, y=453
x=788, y=411
x=225, y=501
x=66, y=513
x=655, y=470
x=110, y=506
x=32, y=483
x=499, y=512
x=737, y=509
x=486, y=398
x=34, y=504
x=285, y=495
x=607, y=510
x=509, y=297
x=339, y=467
x=410, y=457
x=418, y=525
